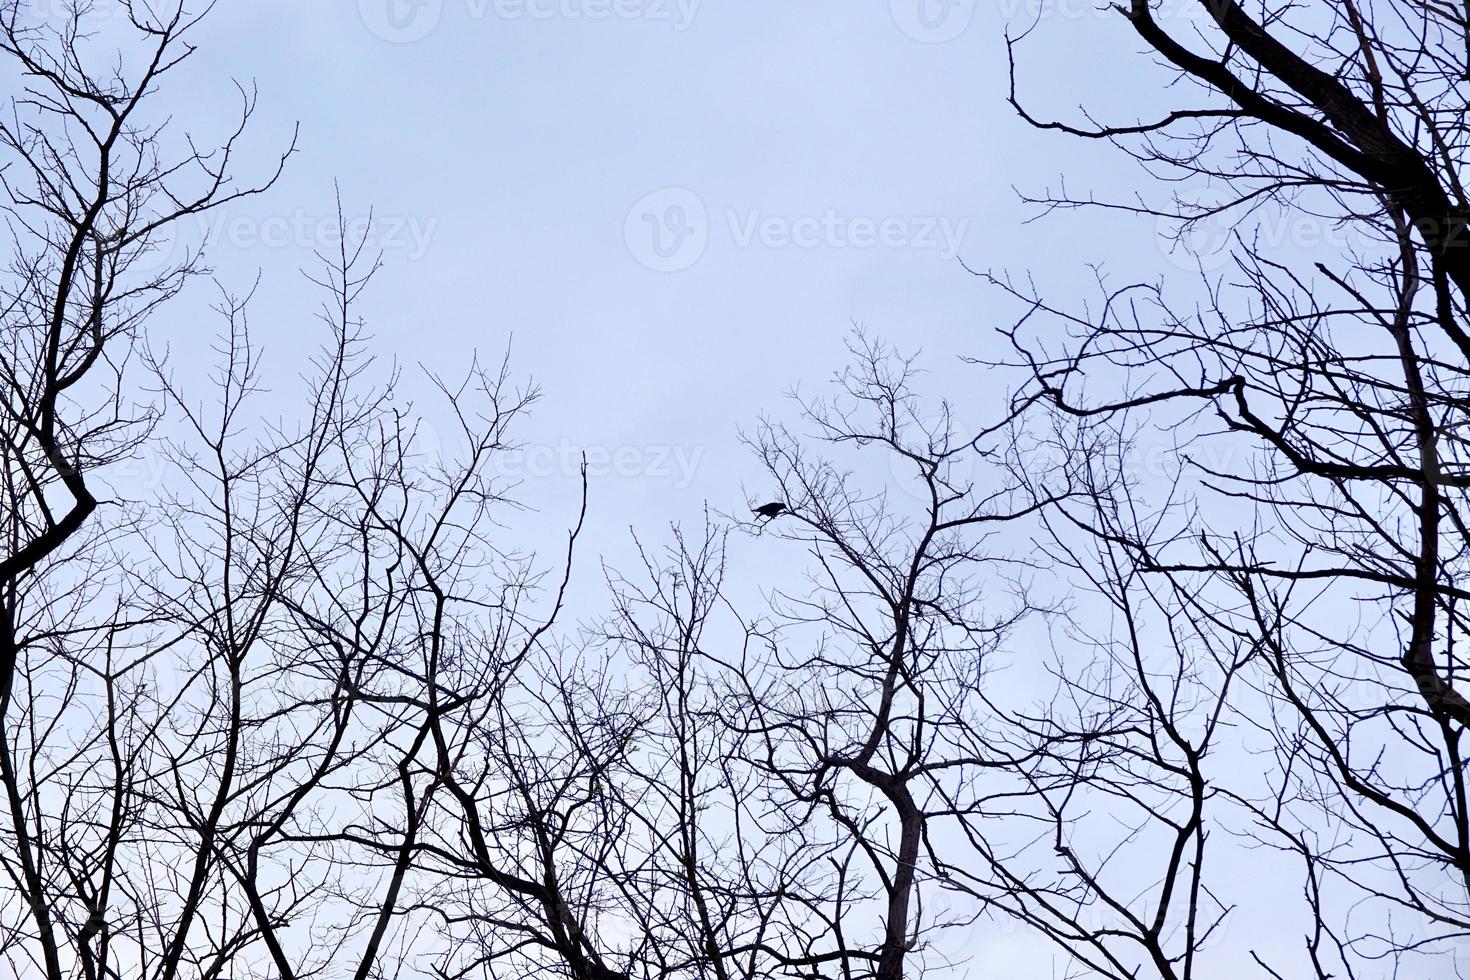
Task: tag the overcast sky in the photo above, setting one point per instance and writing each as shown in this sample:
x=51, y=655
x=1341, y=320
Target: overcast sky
x=677, y=209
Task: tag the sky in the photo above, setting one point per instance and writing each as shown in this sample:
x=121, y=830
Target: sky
x=672, y=212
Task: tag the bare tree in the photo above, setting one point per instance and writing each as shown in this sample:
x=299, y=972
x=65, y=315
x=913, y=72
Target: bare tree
x=225, y=699
x=300, y=710
x=870, y=723
x=1309, y=515
x=90, y=192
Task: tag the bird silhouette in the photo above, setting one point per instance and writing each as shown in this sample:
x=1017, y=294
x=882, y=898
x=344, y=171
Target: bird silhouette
x=773, y=509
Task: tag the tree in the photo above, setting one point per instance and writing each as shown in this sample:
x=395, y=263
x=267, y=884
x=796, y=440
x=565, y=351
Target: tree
x=222, y=701
x=1311, y=517
x=298, y=711
x=90, y=195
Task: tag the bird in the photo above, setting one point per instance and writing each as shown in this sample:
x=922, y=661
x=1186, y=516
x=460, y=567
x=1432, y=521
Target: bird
x=773, y=509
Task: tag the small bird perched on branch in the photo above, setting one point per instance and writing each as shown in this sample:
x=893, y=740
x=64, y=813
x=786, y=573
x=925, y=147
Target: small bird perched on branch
x=773, y=509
